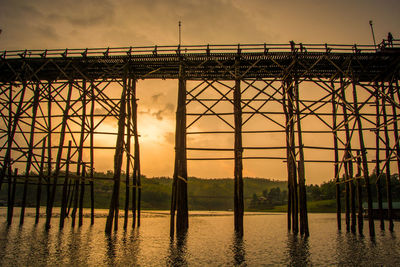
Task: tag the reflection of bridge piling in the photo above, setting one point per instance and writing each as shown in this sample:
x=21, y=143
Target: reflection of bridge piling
x=52, y=98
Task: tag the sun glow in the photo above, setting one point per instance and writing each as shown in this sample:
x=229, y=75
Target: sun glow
x=153, y=130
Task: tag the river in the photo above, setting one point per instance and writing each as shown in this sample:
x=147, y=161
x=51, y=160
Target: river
x=210, y=241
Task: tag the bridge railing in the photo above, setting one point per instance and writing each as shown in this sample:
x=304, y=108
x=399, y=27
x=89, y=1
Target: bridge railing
x=197, y=49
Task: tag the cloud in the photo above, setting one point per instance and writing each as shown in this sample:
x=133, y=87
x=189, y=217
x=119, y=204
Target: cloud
x=156, y=97
x=167, y=110
x=169, y=138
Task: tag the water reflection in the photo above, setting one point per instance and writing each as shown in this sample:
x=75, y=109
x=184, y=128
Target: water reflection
x=111, y=241
x=298, y=249
x=177, y=251
x=209, y=242
x=130, y=247
x=346, y=246
x=238, y=249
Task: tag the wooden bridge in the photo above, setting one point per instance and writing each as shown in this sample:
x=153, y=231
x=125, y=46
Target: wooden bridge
x=53, y=104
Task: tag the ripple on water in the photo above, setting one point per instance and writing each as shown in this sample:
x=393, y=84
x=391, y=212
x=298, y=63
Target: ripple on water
x=209, y=241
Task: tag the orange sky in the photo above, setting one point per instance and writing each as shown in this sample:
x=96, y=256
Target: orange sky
x=101, y=23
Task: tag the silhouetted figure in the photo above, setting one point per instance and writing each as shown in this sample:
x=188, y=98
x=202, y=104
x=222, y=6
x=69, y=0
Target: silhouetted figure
x=390, y=39
x=292, y=45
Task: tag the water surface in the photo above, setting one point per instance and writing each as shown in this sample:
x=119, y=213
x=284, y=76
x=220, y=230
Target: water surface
x=209, y=241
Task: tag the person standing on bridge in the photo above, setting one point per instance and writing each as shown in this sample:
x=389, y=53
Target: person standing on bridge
x=390, y=39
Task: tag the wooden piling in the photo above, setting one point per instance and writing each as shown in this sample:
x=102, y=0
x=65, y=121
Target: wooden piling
x=91, y=182
x=4, y=169
x=395, y=124
x=39, y=184
x=364, y=159
x=182, y=220
x=360, y=217
x=136, y=182
x=287, y=135
x=336, y=156
x=81, y=195
x=64, y=197
x=128, y=152
x=347, y=155
x=292, y=159
x=49, y=144
x=12, y=125
x=12, y=185
x=113, y=210
x=387, y=164
x=378, y=182
x=81, y=165
x=180, y=170
x=74, y=200
x=301, y=168
x=238, y=169
x=59, y=156
x=35, y=105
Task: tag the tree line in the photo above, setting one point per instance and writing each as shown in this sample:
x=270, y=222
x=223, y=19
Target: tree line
x=203, y=194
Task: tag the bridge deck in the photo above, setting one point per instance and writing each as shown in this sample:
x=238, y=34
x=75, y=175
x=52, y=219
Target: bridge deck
x=202, y=62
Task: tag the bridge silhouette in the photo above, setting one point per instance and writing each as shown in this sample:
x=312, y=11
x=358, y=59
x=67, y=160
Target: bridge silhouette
x=53, y=104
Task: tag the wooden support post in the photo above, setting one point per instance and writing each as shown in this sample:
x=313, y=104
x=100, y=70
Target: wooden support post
x=74, y=200
x=352, y=202
x=364, y=159
x=49, y=144
x=377, y=158
x=395, y=125
x=59, y=156
x=35, y=105
x=388, y=172
x=119, y=149
x=81, y=168
x=347, y=200
x=138, y=172
x=39, y=185
x=336, y=155
x=347, y=164
x=180, y=171
x=301, y=169
x=287, y=134
x=91, y=181
x=288, y=100
x=173, y=209
x=81, y=195
x=136, y=138
x=136, y=182
x=128, y=152
x=238, y=169
x=292, y=159
x=12, y=125
x=12, y=185
x=70, y=194
x=64, y=198
x=4, y=169
x=9, y=190
x=359, y=195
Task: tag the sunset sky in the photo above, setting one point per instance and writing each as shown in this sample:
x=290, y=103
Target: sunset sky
x=44, y=24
